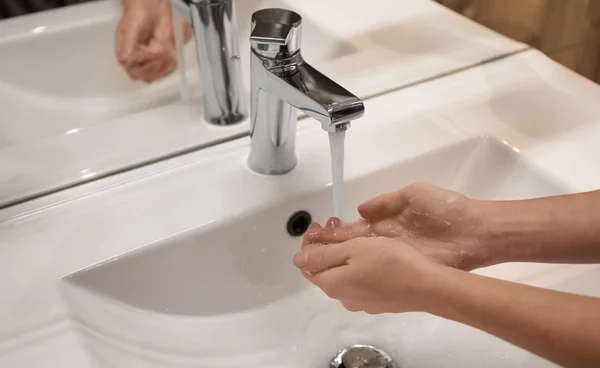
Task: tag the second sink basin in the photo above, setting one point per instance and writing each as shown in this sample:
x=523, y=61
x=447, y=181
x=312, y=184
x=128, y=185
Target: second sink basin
x=60, y=116
x=228, y=295
x=80, y=81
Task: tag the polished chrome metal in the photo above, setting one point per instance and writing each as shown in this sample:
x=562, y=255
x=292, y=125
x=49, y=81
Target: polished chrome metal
x=215, y=34
x=283, y=82
x=362, y=356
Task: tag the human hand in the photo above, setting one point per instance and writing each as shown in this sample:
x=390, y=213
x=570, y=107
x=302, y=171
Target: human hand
x=145, y=39
x=449, y=221
x=375, y=275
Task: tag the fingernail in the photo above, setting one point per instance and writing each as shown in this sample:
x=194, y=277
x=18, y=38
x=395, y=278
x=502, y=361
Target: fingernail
x=334, y=222
x=300, y=260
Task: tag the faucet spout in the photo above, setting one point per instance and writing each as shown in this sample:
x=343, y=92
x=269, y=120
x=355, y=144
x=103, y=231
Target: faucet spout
x=309, y=90
x=283, y=82
x=215, y=35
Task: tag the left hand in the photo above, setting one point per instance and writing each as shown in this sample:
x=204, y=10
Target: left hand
x=145, y=39
x=375, y=275
x=450, y=226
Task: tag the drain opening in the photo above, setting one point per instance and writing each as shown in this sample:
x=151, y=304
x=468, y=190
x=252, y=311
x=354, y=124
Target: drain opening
x=362, y=356
x=298, y=223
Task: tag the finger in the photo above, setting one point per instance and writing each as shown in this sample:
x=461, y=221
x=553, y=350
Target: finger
x=305, y=240
x=352, y=306
x=156, y=62
x=155, y=72
x=318, y=259
x=339, y=234
x=134, y=30
x=334, y=222
x=385, y=205
x=333, y=282
x=128, y=41
x=145, y=72
x=134, y=72
x=169, y=66
x=166, y=64
x=164, y=30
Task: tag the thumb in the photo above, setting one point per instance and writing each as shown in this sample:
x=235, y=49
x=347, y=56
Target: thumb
x=384, y=206
x=318, y=259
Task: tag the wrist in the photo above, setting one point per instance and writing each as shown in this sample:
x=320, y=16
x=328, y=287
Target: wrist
x=478, y=234
x=511, y=229
x=438, y=286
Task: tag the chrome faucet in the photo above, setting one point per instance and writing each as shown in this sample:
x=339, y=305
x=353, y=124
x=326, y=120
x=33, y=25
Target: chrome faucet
x=215, y=34
x=281, y=82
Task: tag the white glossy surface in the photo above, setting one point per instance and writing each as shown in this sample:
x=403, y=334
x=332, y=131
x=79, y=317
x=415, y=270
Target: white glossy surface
x=113, y=216
x=196, y=298
x=70, y=113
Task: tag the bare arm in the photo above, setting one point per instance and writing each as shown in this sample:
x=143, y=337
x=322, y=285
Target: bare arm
x=560, y=327
x=468, y=234
x=384, y=275
x=561, y=229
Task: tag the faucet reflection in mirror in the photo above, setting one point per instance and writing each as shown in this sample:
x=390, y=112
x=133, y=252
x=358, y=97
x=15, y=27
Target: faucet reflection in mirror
x=281, y=82
x=215, y=35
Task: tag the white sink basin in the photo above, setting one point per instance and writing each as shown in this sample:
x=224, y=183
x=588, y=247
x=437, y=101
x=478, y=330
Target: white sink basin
x=227, y=294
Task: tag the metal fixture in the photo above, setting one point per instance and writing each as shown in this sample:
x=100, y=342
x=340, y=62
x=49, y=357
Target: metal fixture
x=216, y=37
x=362, y=356
x=283, y=82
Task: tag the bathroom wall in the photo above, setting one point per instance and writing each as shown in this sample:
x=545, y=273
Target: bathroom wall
x=566, y=30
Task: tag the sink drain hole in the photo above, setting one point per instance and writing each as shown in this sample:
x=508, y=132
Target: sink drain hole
x=298, y=223
x=362, y=356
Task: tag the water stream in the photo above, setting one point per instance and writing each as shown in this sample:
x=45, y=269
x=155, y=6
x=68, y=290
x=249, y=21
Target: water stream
x=184, y=89
x=336, y=144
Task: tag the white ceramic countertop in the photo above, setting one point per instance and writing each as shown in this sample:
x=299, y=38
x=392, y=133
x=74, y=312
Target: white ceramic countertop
x=394, y=43
x=548, y=113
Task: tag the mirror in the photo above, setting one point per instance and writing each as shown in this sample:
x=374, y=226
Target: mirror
x=70, y=113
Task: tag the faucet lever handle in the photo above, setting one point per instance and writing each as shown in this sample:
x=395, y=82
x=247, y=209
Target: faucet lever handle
x=271, y=33
x=276, y=31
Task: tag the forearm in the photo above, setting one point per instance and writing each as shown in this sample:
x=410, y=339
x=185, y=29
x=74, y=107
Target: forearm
x=127, y=4
x=133, y=4
x=560, y=327
x=561, y=229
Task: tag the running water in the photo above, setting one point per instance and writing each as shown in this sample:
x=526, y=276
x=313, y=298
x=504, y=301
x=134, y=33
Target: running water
x=336, y=144
x=180, y=48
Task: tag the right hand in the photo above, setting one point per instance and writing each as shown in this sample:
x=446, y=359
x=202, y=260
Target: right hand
x=375, y=275
x=450, y=223
x=145, y=39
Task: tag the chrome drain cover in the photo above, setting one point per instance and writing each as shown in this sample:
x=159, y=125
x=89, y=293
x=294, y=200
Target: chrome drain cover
x=362, y=356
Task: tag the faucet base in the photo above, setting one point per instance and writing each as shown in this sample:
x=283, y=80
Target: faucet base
x=215, y=36
x=278, y=163
x=225, y=120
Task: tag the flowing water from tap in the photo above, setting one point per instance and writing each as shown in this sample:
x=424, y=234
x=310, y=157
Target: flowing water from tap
x=336, y=144
x=184, y=89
